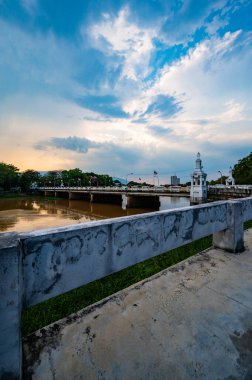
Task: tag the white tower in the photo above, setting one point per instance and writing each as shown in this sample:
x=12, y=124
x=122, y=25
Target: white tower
x=230, y=180
x=198, y=192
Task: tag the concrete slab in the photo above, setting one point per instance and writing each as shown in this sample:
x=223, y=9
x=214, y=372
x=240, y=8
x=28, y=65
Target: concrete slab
x=192, y=321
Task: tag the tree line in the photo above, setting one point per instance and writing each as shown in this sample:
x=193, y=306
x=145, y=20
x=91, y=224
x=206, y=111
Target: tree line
x=242, y=171
x=12, y=179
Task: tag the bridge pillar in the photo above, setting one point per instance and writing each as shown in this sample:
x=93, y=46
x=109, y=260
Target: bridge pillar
x=106, y=198
x=61, y=194
x=231, y=239
x=134, y=201
x=49, y=193
x=76, y=195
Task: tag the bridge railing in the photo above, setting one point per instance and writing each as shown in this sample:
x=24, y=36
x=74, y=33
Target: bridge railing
x=158, y=189
x=42, y=264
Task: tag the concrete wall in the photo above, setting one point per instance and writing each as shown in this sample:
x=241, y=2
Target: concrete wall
x=42, y=264
x=228, y=191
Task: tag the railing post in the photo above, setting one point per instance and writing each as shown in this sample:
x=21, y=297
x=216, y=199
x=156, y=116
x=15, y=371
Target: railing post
x=10, y=307
x=231, y=239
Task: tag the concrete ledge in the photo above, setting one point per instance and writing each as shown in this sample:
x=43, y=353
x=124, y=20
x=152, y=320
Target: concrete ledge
x=61, y=259
x=192, y=321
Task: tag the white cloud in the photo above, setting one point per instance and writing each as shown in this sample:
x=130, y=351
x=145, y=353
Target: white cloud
x=205, y=80
x=216, y=24
x=127, y=40
x=30, y=6
x=35, y=62
x=213, y=85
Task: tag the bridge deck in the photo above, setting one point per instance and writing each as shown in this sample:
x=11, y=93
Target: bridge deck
x=192, y=321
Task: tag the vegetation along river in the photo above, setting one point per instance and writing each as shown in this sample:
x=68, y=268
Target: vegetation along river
x=33, y=213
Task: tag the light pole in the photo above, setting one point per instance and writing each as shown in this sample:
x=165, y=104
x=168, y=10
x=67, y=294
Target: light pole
x=127, y=177
x=221, y=176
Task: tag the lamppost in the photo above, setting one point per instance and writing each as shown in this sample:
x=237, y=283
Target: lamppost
x=221, y=176
x=79, y=180
x=127, y=177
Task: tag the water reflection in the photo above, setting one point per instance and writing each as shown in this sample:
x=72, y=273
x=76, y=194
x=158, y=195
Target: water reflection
x=173, y=202
x=27, y=214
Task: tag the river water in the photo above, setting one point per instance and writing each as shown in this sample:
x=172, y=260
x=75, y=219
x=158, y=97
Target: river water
x=34, y=213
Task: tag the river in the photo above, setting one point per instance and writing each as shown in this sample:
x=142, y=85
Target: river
x=34, y=213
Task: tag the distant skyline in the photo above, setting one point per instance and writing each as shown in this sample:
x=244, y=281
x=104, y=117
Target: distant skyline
x=121, y=86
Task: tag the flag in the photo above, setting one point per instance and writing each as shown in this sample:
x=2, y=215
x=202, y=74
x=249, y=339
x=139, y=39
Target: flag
x=154, y=172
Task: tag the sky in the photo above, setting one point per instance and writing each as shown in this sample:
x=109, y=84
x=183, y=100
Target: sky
x=119, y=87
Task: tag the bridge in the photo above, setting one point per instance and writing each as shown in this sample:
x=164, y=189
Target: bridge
x=135, y=337
x=128, y=197
x=225, y=192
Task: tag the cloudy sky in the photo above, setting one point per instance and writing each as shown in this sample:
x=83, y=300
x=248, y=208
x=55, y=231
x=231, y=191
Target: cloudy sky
x=117, y=86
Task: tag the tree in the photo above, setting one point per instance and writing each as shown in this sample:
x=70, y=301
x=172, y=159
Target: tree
x=74, y=177
x=52, y=178
x=9, y=176
x=220, y=180
x=104, y=180
x=28, y=178
x=242, y=171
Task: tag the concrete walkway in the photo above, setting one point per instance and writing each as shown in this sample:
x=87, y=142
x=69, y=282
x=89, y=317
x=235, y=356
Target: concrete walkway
x=192, y=321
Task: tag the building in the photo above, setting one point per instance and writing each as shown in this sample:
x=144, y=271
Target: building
x=198, y=192
x=175, y=181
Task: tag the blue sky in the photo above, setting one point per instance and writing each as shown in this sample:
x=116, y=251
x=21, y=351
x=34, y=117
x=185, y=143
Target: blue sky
x=125, y=86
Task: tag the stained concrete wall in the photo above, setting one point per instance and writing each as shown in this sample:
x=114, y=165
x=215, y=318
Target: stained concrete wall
x=10, y=306
x=230, y=191
x=42, y=264
x=61, y=259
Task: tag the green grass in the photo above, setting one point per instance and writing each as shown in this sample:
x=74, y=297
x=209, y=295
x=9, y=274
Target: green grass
x=248, y=225
x=61, y=306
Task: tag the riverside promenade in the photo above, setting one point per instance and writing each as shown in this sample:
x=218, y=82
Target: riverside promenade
x=191, y=321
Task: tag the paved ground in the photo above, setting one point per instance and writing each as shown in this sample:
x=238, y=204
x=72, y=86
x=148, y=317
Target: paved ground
x=192, y=321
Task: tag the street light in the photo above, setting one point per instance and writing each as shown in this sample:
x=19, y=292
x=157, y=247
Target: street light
x=221, y=176
x=127, y=177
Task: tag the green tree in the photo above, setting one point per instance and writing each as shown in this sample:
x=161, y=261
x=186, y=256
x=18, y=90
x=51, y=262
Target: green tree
x=74, y=177
x=28, y=178
x=9, y=176
x=104, y=179
x=242, y=171
x=52, y=178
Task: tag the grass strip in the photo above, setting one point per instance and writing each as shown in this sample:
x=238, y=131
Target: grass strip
x=61, y=306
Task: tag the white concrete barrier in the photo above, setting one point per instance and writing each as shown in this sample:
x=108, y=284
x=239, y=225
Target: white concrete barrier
x=42, y=264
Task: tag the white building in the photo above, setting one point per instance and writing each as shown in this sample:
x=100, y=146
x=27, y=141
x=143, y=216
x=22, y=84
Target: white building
x=198, y=192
